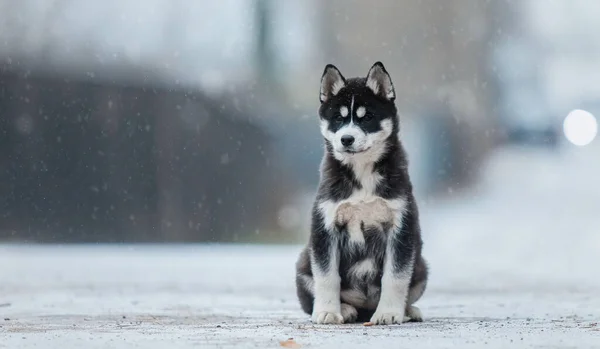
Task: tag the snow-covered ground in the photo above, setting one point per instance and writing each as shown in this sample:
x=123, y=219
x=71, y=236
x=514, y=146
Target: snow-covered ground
x=515, y=263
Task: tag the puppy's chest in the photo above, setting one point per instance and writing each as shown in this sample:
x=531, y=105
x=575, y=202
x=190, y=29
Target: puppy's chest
x=369, y=211
x=364, y=214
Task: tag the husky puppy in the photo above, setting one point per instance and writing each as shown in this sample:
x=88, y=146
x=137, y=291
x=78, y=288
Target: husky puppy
x=363, y=260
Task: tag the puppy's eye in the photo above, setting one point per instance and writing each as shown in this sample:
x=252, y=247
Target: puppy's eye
x=338, y=117
x=367, y=117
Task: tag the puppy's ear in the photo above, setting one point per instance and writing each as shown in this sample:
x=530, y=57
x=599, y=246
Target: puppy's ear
x=379, y=81
x=332, y=82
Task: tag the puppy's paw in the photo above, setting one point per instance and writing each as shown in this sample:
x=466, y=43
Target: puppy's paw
x=349, y=313
x=326, y=318
x=388, y=318
x=414, y=314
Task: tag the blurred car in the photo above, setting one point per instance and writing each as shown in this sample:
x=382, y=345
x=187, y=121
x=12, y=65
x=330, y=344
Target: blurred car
x=528, y=119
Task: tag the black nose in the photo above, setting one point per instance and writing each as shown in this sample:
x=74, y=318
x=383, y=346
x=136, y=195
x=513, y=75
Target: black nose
x=347, y=140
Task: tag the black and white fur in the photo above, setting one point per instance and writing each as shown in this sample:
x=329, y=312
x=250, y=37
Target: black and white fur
x=363, y=261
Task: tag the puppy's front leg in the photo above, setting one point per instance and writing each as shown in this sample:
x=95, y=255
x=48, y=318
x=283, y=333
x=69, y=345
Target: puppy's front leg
x=325, y=266
x=397, y=272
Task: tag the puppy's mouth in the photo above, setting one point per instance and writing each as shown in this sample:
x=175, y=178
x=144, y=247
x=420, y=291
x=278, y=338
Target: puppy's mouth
x=353, y=151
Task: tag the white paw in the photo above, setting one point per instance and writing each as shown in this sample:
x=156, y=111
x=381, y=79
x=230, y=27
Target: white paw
x=325, y=317
x=349, y=313
x=414, y=314
x=388, y=318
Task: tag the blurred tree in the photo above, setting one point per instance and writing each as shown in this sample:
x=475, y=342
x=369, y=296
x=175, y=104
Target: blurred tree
x=267, y=81
x=264, y=51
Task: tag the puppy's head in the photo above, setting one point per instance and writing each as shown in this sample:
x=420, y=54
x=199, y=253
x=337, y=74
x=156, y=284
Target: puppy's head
x=357, y=115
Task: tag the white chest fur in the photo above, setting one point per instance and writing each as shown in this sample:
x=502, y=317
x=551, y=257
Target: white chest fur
x=355, y=216
x=362, y=208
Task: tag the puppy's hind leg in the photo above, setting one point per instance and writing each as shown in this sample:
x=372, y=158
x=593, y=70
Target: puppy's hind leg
x=305, y=285
x=349, y=313
x=417, y=288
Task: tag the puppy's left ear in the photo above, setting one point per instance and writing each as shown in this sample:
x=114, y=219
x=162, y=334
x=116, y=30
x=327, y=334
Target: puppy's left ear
x=379, y=81
x=332, y=82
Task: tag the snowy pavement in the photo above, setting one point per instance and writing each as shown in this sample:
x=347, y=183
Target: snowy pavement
x=515, y=263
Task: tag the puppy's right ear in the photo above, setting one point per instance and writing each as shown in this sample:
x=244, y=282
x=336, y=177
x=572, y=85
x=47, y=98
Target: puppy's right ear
x=332, y=82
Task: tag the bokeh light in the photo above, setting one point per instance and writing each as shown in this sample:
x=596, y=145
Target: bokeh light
x=580, y=127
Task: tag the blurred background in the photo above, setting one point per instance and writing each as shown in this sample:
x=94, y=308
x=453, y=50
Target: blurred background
x=196, y=121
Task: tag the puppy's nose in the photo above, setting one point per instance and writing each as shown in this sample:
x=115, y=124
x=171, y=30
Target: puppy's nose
x=347, y=140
